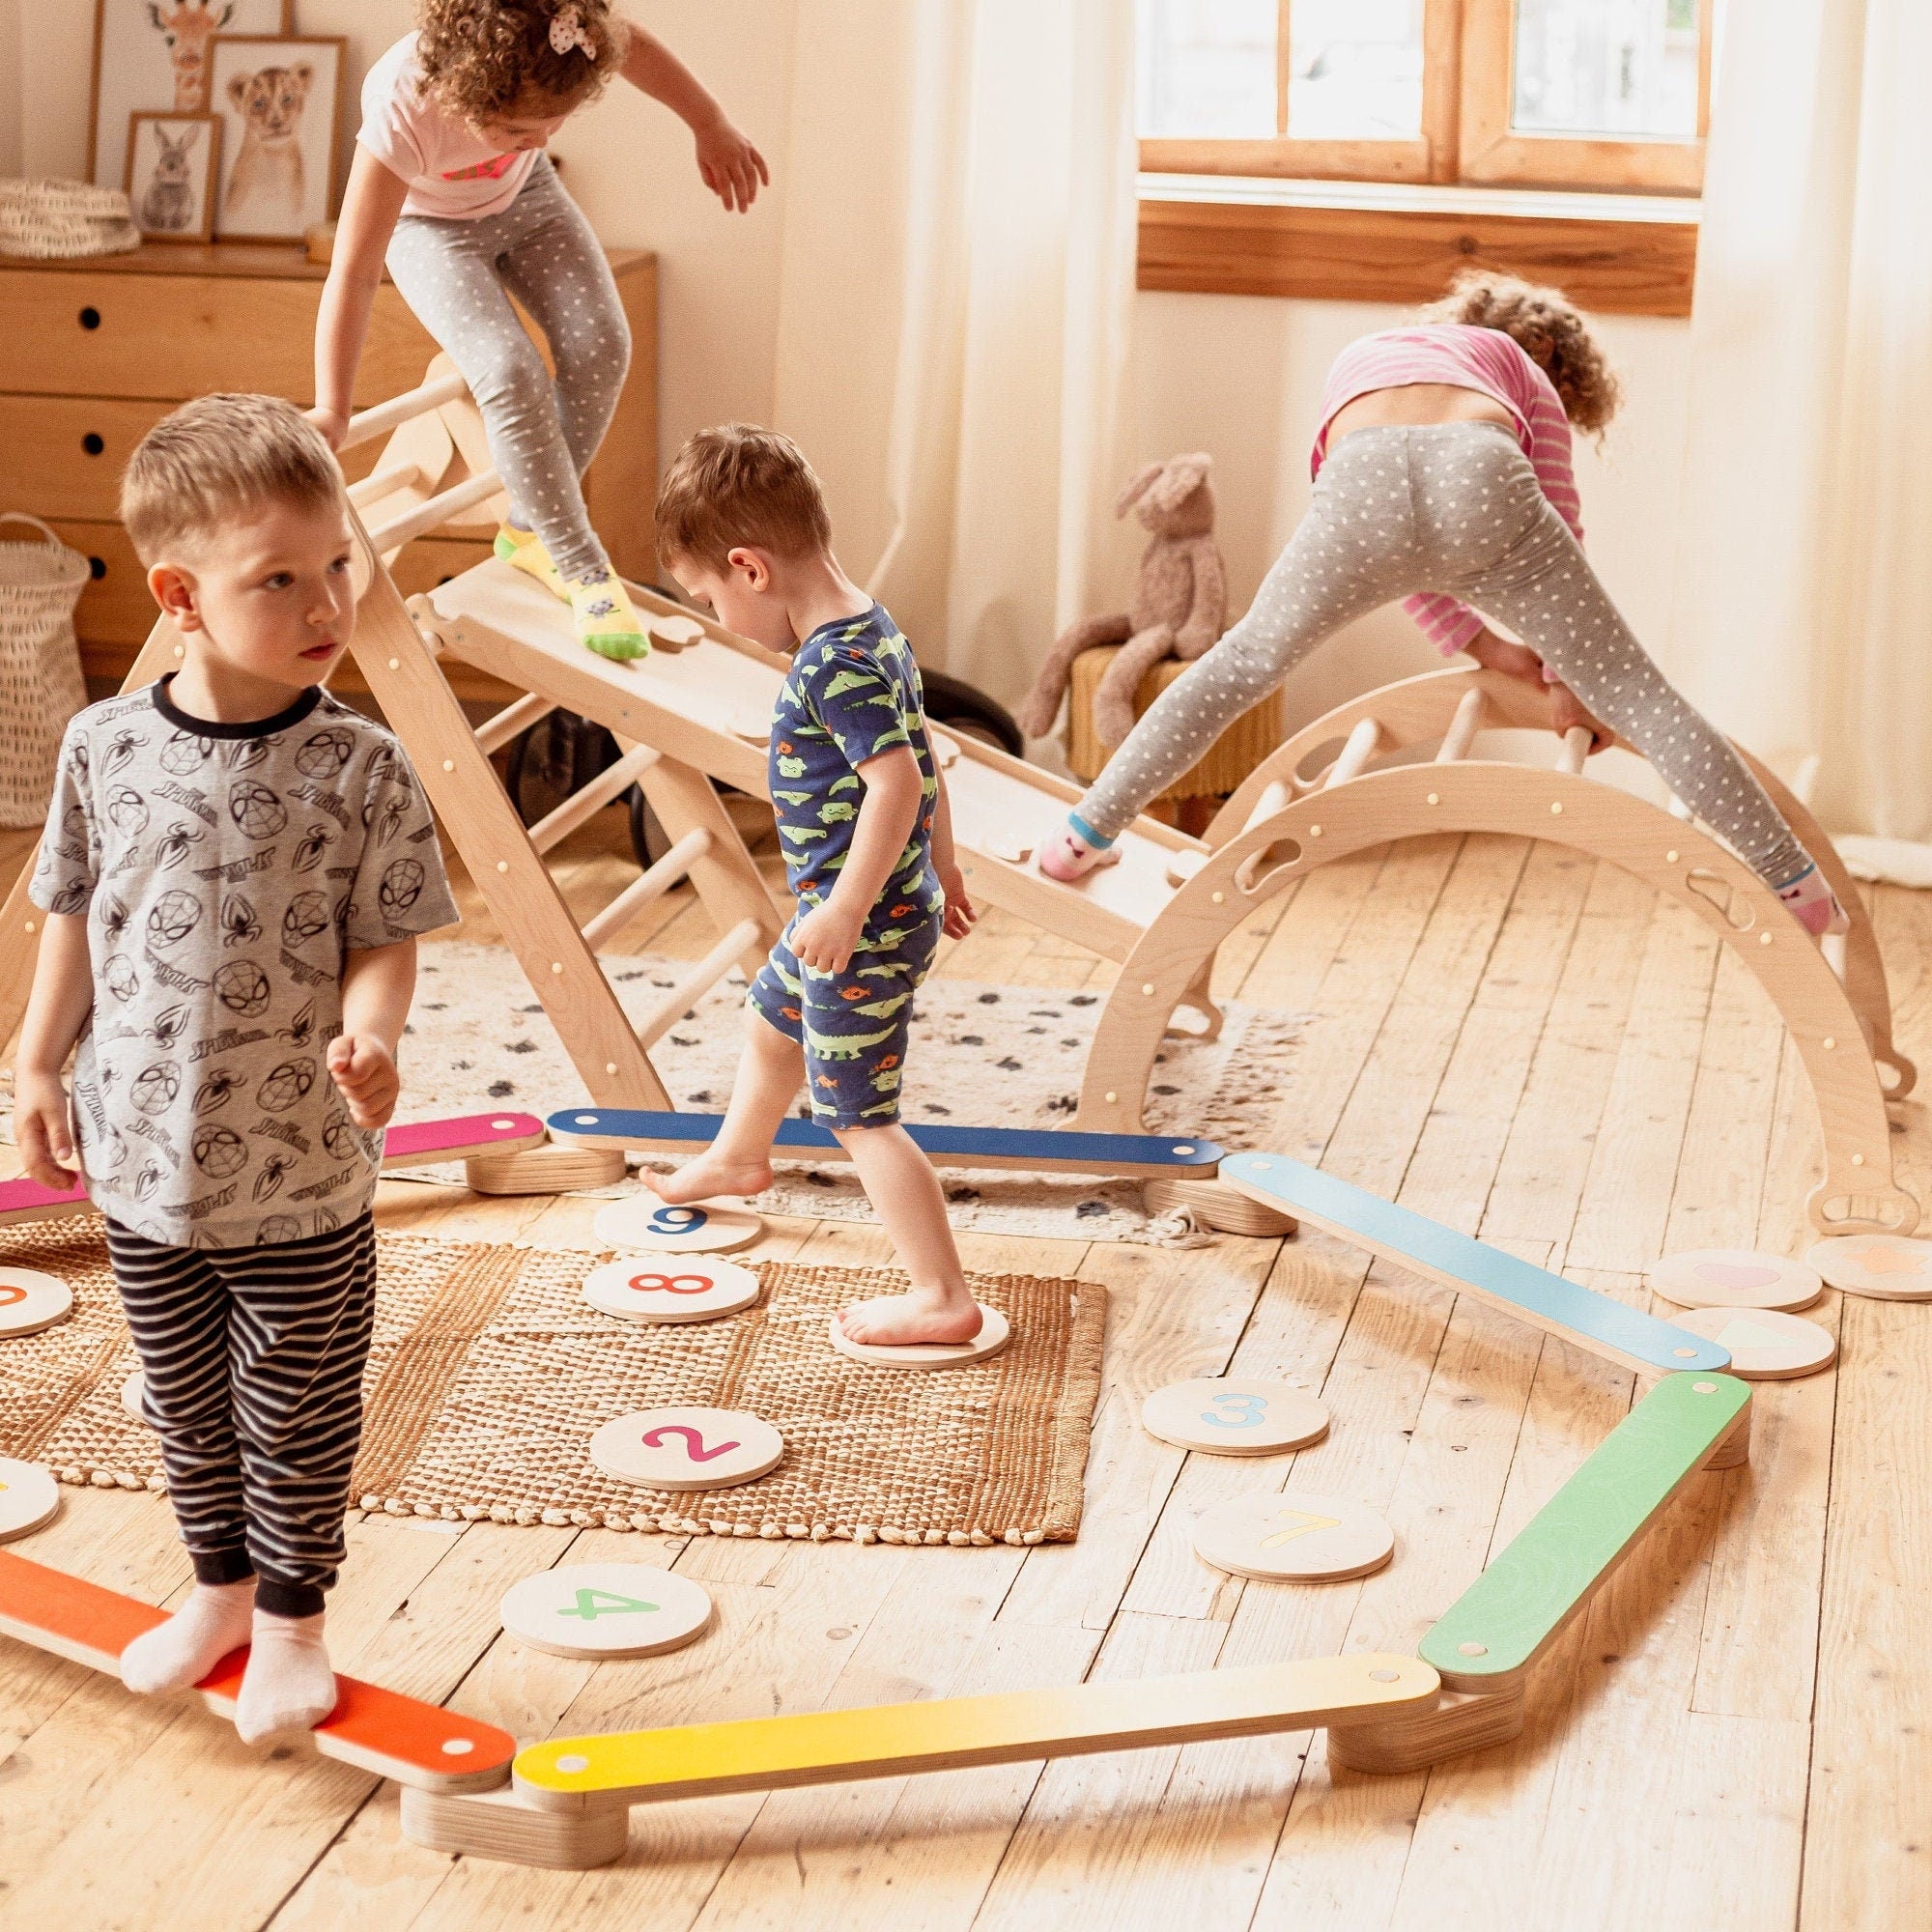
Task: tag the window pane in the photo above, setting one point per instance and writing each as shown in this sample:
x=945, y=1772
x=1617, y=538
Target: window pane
x=1206, y=68
x=1606, y=67
x=1355, y=70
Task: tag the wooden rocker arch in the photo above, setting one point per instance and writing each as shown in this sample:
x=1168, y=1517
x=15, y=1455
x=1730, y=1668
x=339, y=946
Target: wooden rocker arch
x=1282, y=823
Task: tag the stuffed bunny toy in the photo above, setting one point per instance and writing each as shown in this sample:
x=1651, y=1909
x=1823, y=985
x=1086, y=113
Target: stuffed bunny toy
x=169, y=202
x=1179, y=603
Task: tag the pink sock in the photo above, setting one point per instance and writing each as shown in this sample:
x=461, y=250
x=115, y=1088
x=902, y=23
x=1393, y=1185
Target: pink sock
x=1066, y=856
x=1813, y=904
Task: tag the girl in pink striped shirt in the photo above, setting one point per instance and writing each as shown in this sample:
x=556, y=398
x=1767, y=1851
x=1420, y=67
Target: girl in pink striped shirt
x=1443, y=477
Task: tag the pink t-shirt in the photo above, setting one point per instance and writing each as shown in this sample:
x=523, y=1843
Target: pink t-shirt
x=453, y=173
x=1466, y=357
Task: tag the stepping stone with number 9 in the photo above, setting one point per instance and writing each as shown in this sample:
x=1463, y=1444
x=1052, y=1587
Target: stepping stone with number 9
x=606, y=1609
x=1235, y=1415
x=658, y=1227
x=641, y=1291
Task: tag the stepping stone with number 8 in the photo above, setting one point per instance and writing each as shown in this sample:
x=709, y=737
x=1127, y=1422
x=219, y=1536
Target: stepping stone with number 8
x=606, y=1609
x=641, y=1292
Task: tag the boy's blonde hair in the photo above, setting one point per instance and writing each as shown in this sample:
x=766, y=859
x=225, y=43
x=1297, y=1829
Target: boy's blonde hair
x=739, y=484
x=1551, y=331
x=215, y=461
x=484, y=58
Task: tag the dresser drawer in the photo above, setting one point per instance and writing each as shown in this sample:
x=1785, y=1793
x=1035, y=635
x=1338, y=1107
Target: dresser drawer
x=73, y=332
x=62, y=456
x=115, y=608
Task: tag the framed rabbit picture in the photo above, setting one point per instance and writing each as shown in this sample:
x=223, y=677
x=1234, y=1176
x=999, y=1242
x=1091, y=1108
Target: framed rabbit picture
x=174, y=161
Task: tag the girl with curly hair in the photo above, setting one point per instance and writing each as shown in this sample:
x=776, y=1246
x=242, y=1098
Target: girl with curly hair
x=451, y=184
x=1443, y=477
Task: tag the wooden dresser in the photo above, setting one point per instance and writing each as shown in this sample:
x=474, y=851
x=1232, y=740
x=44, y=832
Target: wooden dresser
x=99, y=351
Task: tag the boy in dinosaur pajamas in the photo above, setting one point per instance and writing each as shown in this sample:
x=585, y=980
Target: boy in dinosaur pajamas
x=868, y=839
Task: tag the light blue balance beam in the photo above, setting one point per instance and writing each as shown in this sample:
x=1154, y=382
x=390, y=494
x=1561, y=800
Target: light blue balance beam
x=1173, y=1156
x=1533, y=1294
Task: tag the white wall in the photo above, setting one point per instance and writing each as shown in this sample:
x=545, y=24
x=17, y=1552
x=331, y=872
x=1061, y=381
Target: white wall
x=1237, y=376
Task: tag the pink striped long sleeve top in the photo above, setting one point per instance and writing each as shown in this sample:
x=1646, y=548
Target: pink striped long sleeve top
x=1466, y=357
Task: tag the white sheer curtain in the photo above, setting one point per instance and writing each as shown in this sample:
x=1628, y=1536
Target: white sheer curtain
x=954, y=338
x=1802, y=595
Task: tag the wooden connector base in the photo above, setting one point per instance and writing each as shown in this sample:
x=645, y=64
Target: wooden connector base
x=1735, y=1449
x=502, y=1824
x=1227, y=1210
x=1464, y=1721
x=544, y=1170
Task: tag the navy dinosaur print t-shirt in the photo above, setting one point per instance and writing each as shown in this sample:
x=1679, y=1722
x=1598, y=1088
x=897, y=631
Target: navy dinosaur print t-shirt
x=853, y=694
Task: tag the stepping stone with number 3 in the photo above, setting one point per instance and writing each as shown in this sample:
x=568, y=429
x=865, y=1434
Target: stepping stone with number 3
x=606, y=1609
x=1232, y=1415
x=687, y=1448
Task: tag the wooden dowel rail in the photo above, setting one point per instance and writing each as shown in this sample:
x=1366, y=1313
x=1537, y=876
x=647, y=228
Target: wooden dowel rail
x=1462, y=729
x=1275, y=797
x=1575, y=747
x=589, y=800
x=697, y=982
x=412, y=524
x=385, y=483
x=399, y=409
x=1355, y=753
x=500, y=727
x=652, y=883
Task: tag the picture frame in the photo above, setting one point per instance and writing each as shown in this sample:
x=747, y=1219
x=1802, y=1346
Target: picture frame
x=154, y=55
x=174, y=164
x=279, y=99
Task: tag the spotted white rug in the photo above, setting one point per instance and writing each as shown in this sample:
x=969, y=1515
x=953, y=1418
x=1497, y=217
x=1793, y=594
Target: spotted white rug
x=994, y=1056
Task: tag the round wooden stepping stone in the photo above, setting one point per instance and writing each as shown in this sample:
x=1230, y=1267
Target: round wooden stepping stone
x=673, y=633
x=29, y=1496
x=1235, y=1415
x=687, y=1448
x=30, y=1300
x=551, y=1168
x=657, y=1226
x=606, y=1609
x=641, y=1292
x=1891, y=1267
x=995, y=1332
x=1766, y=1344
x=1294, y=1536
x=1735, y=1278
x=131, y=1398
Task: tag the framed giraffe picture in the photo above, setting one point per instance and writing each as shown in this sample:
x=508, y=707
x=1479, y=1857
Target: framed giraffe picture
x=155, y=56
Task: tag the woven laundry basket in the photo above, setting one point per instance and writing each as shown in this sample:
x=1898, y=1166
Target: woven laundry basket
x=64, y=220
x=41, y=681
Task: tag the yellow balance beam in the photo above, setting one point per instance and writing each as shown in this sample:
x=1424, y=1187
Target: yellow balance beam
x=947, y=1734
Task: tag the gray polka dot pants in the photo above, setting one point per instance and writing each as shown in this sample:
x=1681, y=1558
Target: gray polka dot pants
x=1452, y=507
x=459, y=277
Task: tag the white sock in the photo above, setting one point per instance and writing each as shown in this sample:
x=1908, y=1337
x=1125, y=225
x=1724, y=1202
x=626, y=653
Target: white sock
x=214, y=1620
x=288, y=1684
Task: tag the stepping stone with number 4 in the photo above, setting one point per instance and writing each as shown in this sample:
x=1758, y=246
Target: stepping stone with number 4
x=30, y=1300
x=1230, y=1415
x=606, y=1609
x=1765, y=1343
x=639, y=1292
x=1292, y=1536
x=687, y=1448
x=652, y=1226
x=1735, y=1278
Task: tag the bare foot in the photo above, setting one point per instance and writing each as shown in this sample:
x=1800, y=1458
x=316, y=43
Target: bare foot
x=920, y=1314
x=711, y=1172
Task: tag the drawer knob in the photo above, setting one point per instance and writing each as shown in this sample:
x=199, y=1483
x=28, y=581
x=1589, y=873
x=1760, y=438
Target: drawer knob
x=90, y=318
x=93, y=443
x=96, y=568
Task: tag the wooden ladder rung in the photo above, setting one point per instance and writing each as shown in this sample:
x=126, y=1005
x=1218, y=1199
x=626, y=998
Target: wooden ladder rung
x=1577, y=742
x=399, y=409
x=498, y=729
x=698, y=981
x=1462, y=729
x=652, y=883
x=385, y=483
x=439, y=509
x=589, y=800
x=1275, y=797
x=1355, y=753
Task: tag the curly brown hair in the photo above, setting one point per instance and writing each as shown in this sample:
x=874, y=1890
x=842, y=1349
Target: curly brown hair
x=1549, y=329
x=484, y=58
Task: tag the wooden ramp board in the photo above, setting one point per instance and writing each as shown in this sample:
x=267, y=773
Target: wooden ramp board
x=710, y=705
x=945, y=1147
x=1559, y=1307
x=946, y=1734
x=413, y=1144
x=377, y=1730
x=1505, y=1620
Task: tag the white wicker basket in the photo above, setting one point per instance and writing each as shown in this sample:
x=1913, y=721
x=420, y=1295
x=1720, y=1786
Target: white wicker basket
x=64, y=220
x=41, y=681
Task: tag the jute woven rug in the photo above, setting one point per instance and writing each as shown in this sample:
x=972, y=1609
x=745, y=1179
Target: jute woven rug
x=490, y=1373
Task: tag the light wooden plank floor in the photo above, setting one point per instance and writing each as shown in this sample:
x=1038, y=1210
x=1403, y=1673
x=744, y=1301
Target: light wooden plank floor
x=1508, y=1037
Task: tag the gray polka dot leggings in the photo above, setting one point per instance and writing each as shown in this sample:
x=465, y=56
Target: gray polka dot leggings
x=1450, y=507
x=459, y=277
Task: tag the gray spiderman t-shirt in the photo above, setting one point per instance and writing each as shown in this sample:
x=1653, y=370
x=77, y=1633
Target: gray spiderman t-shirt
x=225, y=870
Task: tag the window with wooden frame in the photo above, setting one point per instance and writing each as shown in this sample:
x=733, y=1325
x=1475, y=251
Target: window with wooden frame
x=1604, y=95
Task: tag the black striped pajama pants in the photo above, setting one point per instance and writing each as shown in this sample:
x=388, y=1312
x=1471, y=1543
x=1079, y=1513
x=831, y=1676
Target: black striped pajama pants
x=251, y=1372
